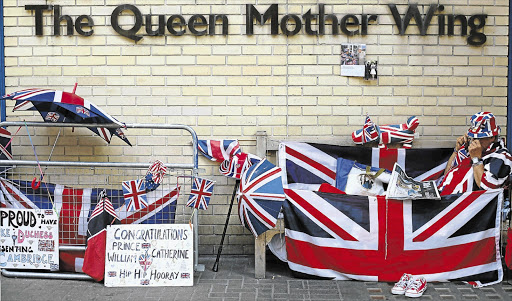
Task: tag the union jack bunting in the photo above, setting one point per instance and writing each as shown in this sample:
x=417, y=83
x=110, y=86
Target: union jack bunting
x=235, y=166
x=369, y=132
x=219, y=150
x=308, y=165
x=135, y=195
x=371, y=239
x=202, y=190
x=260, y=197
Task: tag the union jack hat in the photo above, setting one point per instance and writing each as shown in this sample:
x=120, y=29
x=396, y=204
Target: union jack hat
x=483, y=124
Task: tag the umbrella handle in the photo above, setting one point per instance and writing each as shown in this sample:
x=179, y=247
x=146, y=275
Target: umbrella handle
x=35, y=185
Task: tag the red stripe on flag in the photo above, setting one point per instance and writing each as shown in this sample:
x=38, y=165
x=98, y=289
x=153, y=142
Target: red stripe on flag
x=387, y=158
x=17, y=197
x=468, y=200
x=330, y=173
x=70, y=216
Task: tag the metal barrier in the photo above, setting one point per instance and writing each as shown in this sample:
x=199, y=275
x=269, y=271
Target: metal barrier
x=85, y=179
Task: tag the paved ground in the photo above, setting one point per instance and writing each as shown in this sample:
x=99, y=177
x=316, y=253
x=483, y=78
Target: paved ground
x=235, y=281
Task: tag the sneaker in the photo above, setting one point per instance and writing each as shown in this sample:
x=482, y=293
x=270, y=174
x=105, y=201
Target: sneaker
x=401, y=286
x=416, y=287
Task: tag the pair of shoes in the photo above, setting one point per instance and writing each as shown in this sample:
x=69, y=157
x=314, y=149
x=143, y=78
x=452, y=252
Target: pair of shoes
x=410, y=286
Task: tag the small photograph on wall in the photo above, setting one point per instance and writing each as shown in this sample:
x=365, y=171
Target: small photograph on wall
x=370, y=70
x=352, y=59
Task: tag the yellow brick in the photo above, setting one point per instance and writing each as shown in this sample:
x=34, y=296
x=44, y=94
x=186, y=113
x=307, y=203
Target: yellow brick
x=234, y=91
x=196, y=91
x=467, y=91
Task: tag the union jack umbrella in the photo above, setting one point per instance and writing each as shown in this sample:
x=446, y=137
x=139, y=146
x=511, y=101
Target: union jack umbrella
x=219, y=150
x=66, y=107
x=260, y=197
x=135, y=195
x=235, y=166
x=202, y=190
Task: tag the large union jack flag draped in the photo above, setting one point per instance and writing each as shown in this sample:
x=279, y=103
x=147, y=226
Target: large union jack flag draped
x=218, y=150
x=308, y=165
x=371, y=239
x=260, y=197
x=200, y=194
x=135, y=194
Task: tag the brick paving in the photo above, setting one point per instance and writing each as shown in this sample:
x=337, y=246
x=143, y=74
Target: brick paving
x=235, y=281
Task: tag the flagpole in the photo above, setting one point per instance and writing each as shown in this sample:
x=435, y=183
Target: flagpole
x=216, y=264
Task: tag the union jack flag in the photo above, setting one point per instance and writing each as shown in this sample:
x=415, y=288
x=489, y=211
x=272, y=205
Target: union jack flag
x=308, y=165
x=135, y=195
x=369, y=132
x=371, y=239
x=202, y=190
x=52, y=116
x=219, y=150
x=235, y=166
x=260, y=197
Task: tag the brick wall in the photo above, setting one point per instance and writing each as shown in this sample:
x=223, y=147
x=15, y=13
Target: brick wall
x=233, y=86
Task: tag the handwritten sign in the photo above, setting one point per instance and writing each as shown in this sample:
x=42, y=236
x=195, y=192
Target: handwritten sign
x=29, y=239
x=149, y=255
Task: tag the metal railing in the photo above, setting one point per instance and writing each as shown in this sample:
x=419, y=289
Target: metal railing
x=102, y=175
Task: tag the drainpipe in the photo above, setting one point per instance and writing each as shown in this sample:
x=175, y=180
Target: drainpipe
x=2, y=64
x=509, y=80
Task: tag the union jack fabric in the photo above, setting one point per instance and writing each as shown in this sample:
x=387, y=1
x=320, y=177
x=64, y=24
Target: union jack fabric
x=260, y=197
x=157, y=171
x=368, y=133
x=399, y=133
x=60, y=106
x=308, y=165
x=235, y=166
x=497, y=163
x=52, y=116
x=102, y=216
x=135, y=194
x=74, y=207
x=368, y=238
x=219, y=150
x=5, y=145
x=202, y=190
x=387, y=134
x=483, y=124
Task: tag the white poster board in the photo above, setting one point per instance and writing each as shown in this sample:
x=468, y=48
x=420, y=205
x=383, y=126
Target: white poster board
x=29, y=239
x=149, y=255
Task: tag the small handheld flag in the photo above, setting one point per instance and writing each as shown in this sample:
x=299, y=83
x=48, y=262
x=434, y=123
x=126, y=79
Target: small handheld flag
x=202, y=190
x=135, y=195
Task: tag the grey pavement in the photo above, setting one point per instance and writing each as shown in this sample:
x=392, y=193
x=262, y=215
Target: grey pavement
x=235, y=281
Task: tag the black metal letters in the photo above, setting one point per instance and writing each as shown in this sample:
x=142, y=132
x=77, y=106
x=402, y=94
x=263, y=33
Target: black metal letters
x=313, y=24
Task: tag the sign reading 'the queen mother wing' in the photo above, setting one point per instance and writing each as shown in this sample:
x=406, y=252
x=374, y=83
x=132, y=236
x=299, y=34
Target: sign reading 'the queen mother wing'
x=149, y=255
